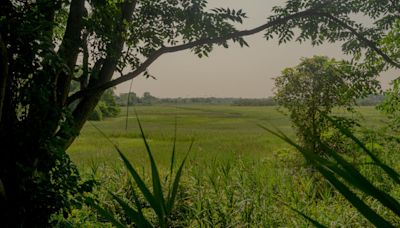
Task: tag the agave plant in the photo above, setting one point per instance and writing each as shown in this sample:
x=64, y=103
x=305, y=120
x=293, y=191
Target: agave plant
x=161, y=204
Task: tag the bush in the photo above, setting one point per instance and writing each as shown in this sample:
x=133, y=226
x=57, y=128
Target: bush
x=96, y=115
x=310, y=91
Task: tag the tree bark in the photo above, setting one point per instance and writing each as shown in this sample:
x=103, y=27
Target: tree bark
x=4, y=74
x=69, y=49
x=114, y=51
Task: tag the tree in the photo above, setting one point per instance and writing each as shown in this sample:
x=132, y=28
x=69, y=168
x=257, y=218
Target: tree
x=45, y=45
x=148, y=98
x=391, y=104
x=107, y=106
x=123, y=99
x=310, y=91
x=41, y=42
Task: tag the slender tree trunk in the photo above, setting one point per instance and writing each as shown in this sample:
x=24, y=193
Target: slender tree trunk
x=3, y=74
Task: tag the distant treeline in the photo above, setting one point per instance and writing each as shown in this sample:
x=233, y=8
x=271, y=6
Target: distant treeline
x=371, y=100
x=148, y=99
x=254, y=102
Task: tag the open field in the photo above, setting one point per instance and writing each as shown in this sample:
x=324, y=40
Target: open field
x=238, y=175
x=220, y=132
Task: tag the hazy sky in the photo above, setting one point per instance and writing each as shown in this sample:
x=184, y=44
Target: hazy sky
x=233, y=72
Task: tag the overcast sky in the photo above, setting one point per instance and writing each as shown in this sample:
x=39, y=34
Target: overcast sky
x=234, y=72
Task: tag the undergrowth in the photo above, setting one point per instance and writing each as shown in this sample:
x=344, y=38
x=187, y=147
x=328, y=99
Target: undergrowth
x=241, y=193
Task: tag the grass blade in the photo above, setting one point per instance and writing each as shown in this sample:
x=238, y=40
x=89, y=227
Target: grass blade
x=354, y=177
x=389, y=171
x=171, y=169
x=140, y=183
x=135, y=216
x=155, y=176
x=314, y=222
x=174, y=189
x=308, y=218
x=173, y=151
x=363, y=208
x=136, y=199
x=104, y=213
x=322, y=165
x=348, y=172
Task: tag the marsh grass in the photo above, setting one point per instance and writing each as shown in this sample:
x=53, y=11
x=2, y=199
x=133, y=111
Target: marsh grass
x=237, y=175
x=346, y=178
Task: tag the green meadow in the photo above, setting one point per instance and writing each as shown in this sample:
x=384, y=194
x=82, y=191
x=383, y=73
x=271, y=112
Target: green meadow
x=219, y=132
x=237, y=174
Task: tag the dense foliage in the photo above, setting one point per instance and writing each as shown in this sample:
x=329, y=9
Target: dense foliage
x=106, y=108
x=46, y=46
x=310, y=91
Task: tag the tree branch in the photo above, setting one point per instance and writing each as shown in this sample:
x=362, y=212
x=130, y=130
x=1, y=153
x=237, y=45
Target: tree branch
x=164, y=50
x=156, y=54
x=360, y=37
x=69, y=48
x=84, y=79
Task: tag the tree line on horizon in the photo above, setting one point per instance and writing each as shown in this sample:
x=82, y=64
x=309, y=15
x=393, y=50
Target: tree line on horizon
x=148, y=99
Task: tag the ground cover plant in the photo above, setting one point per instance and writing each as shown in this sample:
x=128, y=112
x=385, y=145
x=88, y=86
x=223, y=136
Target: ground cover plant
x=236, y=175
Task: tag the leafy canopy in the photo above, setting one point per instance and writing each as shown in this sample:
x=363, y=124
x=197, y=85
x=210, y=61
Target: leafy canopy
x=311, y=90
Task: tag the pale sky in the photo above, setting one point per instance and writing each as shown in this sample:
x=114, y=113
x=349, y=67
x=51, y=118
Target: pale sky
x=233, y=72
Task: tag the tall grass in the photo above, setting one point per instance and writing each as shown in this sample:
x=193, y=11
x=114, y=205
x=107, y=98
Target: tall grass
x=235, y=176
x=347, y=179
x=161, y=204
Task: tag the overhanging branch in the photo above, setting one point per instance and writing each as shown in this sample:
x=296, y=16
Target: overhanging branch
x=156, y=54
x=164, y=50
x=360, y=37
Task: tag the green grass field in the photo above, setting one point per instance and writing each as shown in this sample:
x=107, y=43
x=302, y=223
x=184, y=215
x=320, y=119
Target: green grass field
x=220, y=132
x=238, y=175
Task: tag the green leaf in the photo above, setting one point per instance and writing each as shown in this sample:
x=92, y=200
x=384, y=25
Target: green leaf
x=174, y=190
x=140, y=183
x=354, y=177
x=104, y=213
x=363, y=208
x=173, y=152
x=314, y=222
x=155, y=176
x=328, y=171
x=136, y=216
x=389, y=171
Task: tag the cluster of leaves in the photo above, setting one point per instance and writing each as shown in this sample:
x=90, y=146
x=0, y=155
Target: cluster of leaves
x=156, y=24
x=37, y=175
x=46, y=46
x=336, y=21
x=330, y=21
x=107, y=107
x=391, y=104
